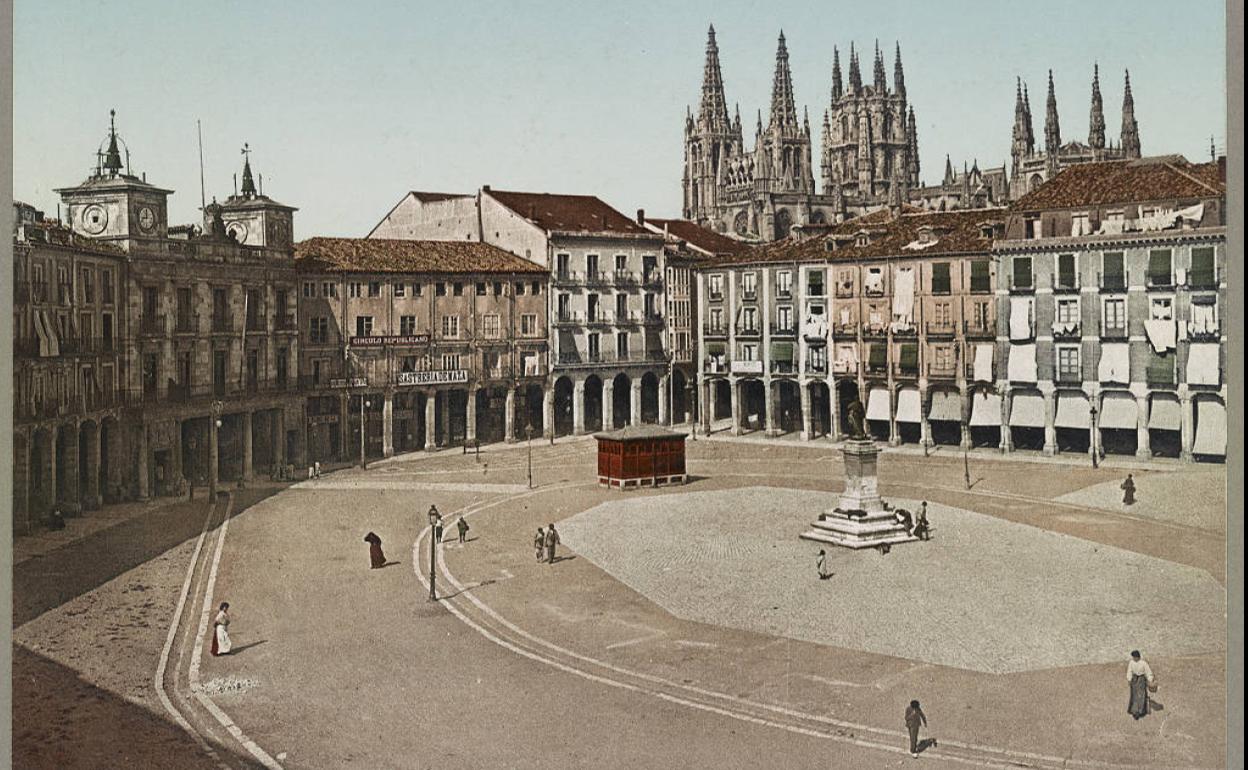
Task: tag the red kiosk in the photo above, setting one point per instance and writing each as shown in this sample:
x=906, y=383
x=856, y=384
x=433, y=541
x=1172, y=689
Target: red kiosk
x=641, y=456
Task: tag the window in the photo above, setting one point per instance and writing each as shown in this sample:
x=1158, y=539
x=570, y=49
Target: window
x=715, y=285
x=151, y=301
x=562, y=270
x=595, y=346
x=481, y=288
x=981, y=278
x=909, y=358
x=374, y=288
x=363, y=326
x=106, y=286
x=621, y=307
x=519, y=288
x=784, y=283
x=621, y=263
x=564, y=303
x=591, y=307
x=309, y=289
x=418, y=289
x=528, y=324
x=184, y=318
x=1066, y=277
x=490, y=326
x=591, y=266
x=1160, y=369
x=874, y=282
x=749, y=351
x=220, y=310
x=877, y=356
x=354, y=289
x=814, y=283
x=440, y=289
x=621, y=345
x=451, y=361
x=498, y=288
x=184, y=369
x=749, y=285
x=817, y=358
x=317, y=366
x=942, y=313
x=1032, y=228
x=450, y=326
x=1113, y=275
x=650, y=306
x=536, y=286
x=329, y=289
x=784, y=318
x=1068, y=311
x=1161, y=309
x=942, y=358
x=318, y=330
x=150, y=364
x=1079, y=224
x=1068, y=364
x=1159, y=268
x=457, y=289
x=749, y=319
x=1022, y=273
x=1203, y=274
x=282, y=367
x=253, y=309
x=407, y=325
x=1115, y=315
x=941, y=283
x=717, y=319
x=400, y=289
x=88, y=285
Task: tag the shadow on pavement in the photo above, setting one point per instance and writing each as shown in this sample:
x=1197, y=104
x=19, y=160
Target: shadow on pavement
x=62, y=722
x=49, y=581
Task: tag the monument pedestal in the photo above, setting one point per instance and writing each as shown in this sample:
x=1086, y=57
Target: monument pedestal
x=860, y=519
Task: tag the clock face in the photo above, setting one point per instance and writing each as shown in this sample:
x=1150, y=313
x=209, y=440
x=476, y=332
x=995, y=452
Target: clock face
x=147, y=219
x=237, y=230
x=94, y=219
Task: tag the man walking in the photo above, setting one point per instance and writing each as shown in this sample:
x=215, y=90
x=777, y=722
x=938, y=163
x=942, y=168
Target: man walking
x=921, y=529
x=915, y=718
x=821, y=564
x=552, y=540
x=1128, y=491
x=462, y=527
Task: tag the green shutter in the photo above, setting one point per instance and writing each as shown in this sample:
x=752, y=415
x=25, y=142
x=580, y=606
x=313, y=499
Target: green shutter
x=1160, y=369
x=940, y=278
x=878, y=354
x=715, y=349
x=1022, y=272
x=782, y=351
x=909, y=356
x=1159, y=267
x=980, y=279
x=1202, y=273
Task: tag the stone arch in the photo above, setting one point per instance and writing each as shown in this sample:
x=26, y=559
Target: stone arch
x=594, y=410
x=1117, y=422
x=1027, y=418
x=820, y=408
x=1165, y=425
x=944, y=416
x=621, y=410
x=721, y=399
x=680, y=397
x=42, y=473
x=846, y=394
x=650, y=398
x=89, y=464
x=565, y=392
x=788, y=406
x=753, y=400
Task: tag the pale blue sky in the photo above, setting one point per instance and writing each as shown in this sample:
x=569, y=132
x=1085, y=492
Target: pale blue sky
x=348, y=105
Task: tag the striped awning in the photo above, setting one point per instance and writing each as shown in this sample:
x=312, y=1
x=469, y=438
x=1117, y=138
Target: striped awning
x=877, y=405
x=946, y=406
x=1165, y=413
x=1118, y=412
x=909, y=406
x=1210, y=428
x=1027, y=410
x=1072, y=411
x=986, y=409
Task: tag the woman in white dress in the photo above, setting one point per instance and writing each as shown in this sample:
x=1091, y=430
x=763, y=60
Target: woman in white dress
x=221, y=643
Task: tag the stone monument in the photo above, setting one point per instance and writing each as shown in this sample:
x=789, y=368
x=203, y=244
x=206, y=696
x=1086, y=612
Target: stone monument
x=860, y=519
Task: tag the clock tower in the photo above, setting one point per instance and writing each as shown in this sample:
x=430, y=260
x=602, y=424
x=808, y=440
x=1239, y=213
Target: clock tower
x=254, y=219
x=115, y=206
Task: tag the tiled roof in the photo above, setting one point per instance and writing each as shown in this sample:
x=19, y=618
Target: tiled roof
x=568, y=213
x=699, y=237
x=951, y=232
x=54, y=233
x=638, y=432
x=382, y=255
x=1127, y=181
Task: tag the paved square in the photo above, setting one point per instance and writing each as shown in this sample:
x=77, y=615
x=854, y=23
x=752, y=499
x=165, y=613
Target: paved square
x=984, y=594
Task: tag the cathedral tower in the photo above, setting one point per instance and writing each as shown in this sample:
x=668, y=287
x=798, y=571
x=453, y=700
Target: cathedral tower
x=1130, y=137
x=711, y=139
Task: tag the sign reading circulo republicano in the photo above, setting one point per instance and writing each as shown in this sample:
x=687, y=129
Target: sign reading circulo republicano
x=384, y=340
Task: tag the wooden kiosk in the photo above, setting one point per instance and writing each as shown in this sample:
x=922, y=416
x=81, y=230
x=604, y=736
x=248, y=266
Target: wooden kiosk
x=641, y=456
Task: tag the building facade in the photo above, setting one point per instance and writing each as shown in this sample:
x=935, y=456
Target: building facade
x=424, y=344
x=1115, y=290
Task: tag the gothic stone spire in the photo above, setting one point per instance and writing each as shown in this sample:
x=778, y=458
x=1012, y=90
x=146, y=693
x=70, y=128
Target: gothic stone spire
x=837, y=87
x=855, y=75
x=1052, y=131
x=881, y=83
x=1096, y=121
x=1130, y=137
x=1031, y=136
x=783, y=109
x=899, y=76
x=714, y=107
x=112, y=157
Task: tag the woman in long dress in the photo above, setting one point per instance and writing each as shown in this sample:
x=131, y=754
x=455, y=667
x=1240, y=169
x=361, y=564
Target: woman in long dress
x=1140, y=678
x=539, y=544
x=375, y=554
x=221, y=643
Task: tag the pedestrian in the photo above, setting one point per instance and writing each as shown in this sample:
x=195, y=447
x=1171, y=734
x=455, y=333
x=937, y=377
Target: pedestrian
x=316, y=466
x=552, y=540
x=539, y=545
x=821, y=564
x=1140, y=678
x=221, y=643
x=1128, y=491
x=375, y=554
x=56, y=520
x=905, y=519
x=921, y=528
x=462, y=527
x=915, y=718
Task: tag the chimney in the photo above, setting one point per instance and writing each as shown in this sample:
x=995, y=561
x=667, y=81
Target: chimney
x=485, y=188
x=641, y=217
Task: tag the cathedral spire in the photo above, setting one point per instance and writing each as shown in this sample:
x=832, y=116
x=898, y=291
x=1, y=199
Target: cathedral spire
x=714, y=107
x=855, y=75
x=1052, y=131
x=1096, y=122
x=1031, y=136
x=913, y=152
x=837, y=87
x=112, y=156
x=899, y=76
x=249, y=184
x=1022, y=121
x=1129, y=140
x=783, y=109
x=881, y=83
x=949, y=177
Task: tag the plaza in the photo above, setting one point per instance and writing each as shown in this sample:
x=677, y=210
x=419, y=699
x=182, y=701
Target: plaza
x=679, y=626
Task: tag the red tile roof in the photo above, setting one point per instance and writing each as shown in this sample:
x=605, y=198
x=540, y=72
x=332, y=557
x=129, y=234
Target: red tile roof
x=383, y=255
x=952, y=232
x=1161, y=178
x=567, y=213
x=699, y=237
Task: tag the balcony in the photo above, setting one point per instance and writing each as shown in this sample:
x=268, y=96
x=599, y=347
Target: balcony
x=942, y=371
x=715, y=366
x=815, y=291
x=845, y=290
x=599, y=318
x=221, y=323
x=652, y=279
x=905, y=372
x=597, y=278
x=1160, y=376
x=186, y=323
x=255, y=323
x=65, y=294
x=849, y=368
x=1069, y=376
x=652, y=319
x=875, y=331
x=817, y=367
x=981, y=285
x=1112, y=282
x=577, y=358
x=1070, y=330
x=1026, y=285
x=1160, y=281
x=625, y=278
x=848, y=329
x=1114, y=332
x=1064, y=283
x=285, y=322
x=566, y=278
x=714, y=331
x=38, y=291
x=783, y=367
x=715, y=296
x=568, y=318
x=785, y=292
x=1203, y=280
x=749, y=294
x=747, y=331
x=151, y=326
x=906, y=331
x=627, y=318
x=982, y=329
x=940, y=328
x=783, y=330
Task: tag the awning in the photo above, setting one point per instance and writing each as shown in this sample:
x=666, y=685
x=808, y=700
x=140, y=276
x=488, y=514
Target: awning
x=1165, y=413
x=1027, y=410
x=1161, y=334
x=1203, y=366
x=1118, y=411
x=985, y=409
x=946, y=406
x=715, y=349
x=1210, y=428
x=909, y=406
x=54, y=335
x=782, y=351
x=877, y=405
x=1072, y=411
x=1020, y=318
x=983, y=361
x=1115, y=362
x=1022, y=363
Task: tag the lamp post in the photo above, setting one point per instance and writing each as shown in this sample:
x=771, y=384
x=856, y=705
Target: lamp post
x=363, y=403
x=191, y=444
x=691, y=391
x=1092, y=438
x=214, y=425
x=528, y=438
x=434, y=518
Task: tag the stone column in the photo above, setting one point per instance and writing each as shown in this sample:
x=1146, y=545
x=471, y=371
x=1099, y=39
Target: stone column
x=925, y=427
x=1142, y=449
x=247, y=470
x=470, y=429
x=771, y=426
x=1007, y=441
x=344, y=427
x=894, y=436
x=446, y=417
x=91, y=495
x=387, y=424
x=707, y=407
x=431, y=421
x=279, y=441
x=72, y=502
x=578, y=408
x=142, y=469
x=1187, y=427
x=664, y=401
x=734, y=393
x=966, y=418
x=548, y=412
x=634, y=402
x=834, y=409
x=807, y=418
x=509, y=416
x=1050, y=417
x=608, y=404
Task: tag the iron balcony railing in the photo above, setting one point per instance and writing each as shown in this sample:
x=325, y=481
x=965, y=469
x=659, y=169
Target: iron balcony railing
x=1111, y=282
x=941, y=328
x=979, y=329
x=942, y=371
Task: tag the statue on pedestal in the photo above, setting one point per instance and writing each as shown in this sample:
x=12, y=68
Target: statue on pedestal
x=857, y=421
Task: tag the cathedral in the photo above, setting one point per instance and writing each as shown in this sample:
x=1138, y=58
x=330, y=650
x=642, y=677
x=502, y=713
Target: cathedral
x=1031, y=166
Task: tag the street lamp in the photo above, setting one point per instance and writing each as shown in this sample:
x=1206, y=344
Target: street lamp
x=1092, y=438
x=528, y=438
x=691, y=391
x=214, y=425
x=363, y=403
x=434, y=518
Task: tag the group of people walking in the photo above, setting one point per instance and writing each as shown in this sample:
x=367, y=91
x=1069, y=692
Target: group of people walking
x=544, y=543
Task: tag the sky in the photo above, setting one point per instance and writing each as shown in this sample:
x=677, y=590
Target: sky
x=346, y=106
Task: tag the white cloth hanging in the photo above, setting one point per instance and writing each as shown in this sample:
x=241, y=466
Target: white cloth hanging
x=1020, y=318
x=1161, y=335
x=903, y=297
x=983, y=361
x=1203, y=364
x=1115, y=364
